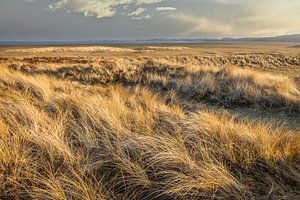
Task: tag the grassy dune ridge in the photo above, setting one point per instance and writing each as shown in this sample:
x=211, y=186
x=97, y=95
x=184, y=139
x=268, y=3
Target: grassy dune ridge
x=144, y=129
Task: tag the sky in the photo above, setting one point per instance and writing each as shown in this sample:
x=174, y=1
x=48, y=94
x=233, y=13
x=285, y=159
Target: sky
x=82, y=20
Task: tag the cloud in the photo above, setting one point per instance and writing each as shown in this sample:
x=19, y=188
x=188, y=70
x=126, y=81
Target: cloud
x=142, y=17
x=239, y=18
x=194, y=18
x=166, y=9
x=97, y=8
x=204, y=24
x=137, y=14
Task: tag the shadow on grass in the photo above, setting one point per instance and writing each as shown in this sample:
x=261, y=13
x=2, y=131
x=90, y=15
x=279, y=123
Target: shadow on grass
x=218, y=88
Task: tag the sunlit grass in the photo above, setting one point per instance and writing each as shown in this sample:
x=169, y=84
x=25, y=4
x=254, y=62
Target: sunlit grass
x=144, y=132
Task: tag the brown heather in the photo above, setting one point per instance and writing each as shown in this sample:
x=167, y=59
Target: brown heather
x=144, y=129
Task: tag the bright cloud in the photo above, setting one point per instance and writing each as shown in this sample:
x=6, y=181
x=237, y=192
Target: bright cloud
x=138, y=14
x=166, y=9
x=97, y=8
x=241, y=17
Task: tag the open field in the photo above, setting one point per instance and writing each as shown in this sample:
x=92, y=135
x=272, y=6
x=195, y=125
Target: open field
x=150, y=122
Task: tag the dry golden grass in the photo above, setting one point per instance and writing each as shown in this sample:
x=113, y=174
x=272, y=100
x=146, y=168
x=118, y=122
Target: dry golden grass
x=147, y=130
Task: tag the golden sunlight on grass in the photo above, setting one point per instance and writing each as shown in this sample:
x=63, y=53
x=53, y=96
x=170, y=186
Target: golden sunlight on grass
x=144, y=129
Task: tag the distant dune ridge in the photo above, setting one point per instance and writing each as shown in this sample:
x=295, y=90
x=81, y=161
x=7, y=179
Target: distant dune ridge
x=295, y=38
x=174, y=48
x=164, y=127
x=90, y=49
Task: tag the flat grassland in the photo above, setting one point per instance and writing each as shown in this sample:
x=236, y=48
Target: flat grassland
x=150, y=122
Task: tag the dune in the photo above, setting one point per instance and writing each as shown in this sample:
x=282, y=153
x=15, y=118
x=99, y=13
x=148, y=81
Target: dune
x=172, y=48
x=90, y=49
x=147, y=127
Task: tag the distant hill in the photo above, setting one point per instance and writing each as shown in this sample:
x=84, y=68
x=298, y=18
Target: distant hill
x=283, y=38
x=278, y=39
